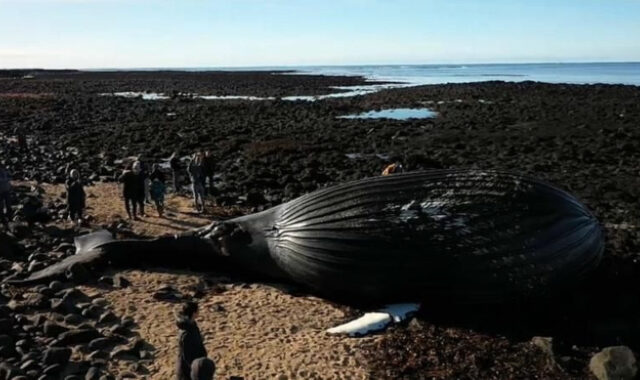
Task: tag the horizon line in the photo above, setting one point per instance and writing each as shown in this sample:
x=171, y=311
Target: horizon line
x=266, y=67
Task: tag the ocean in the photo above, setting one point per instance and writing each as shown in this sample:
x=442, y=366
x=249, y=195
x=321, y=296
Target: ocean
x=576, y=73
x=414, y=75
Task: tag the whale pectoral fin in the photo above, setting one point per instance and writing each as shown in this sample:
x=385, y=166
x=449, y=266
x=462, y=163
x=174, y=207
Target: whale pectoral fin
x=370, y=322
x=377, y=321
x=91, y=258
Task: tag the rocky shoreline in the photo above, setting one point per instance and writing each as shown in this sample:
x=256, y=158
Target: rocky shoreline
x=584, y=138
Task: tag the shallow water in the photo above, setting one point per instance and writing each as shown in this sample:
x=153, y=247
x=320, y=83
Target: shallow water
x=233, y=97
x=159, y=96
x=394, y=114
x=351, y=91
x=143, y=95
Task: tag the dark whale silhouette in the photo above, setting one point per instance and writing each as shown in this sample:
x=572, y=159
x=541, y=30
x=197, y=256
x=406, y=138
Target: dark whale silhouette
x=468, y=235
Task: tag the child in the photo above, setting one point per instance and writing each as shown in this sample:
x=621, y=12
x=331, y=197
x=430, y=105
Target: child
x=75, y=197
x=157, y=190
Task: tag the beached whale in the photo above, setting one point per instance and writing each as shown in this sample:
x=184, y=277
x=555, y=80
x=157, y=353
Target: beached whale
x=463, y=235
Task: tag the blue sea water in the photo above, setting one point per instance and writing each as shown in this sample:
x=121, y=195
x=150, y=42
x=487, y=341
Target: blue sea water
x=414, y=75
x=575, y=73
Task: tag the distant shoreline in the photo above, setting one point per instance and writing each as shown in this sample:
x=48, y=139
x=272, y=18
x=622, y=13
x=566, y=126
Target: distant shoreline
x=295, y=67
x=412, y=74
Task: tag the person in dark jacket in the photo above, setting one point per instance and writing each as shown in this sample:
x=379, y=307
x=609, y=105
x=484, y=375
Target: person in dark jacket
x=156, y=173
x=146, y=180
x=190, y=345
x=130, y=192
x=141, y=184
x=76, y=197
x=157, y=189
x=202, y=369
x=174, y=162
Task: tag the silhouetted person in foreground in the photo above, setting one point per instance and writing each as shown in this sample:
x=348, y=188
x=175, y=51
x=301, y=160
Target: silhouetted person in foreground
x=190, y=345
x=202, y=369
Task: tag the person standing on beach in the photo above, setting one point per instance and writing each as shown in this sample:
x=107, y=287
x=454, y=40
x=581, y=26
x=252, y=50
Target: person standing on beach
x=174, y=163
x=5, y=194
x=130, y=192
x=158, y=188
x=197, y=181
x=144, y=172
x=140, y=192
x=208, y=169
x=190, y=344
x=76, y=197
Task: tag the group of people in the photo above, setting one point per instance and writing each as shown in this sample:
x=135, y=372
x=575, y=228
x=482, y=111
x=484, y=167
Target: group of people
x=141, y=186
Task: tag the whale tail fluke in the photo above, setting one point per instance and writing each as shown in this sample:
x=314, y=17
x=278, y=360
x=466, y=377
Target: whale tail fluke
x=97, y=250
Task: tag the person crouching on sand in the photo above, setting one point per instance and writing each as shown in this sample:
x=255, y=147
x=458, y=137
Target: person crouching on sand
x=192, y=362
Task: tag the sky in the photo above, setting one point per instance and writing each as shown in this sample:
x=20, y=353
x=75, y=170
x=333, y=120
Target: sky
x=229, y=33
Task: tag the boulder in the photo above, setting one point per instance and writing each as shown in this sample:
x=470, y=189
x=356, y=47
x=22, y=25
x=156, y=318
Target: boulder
x=56, y=355
x=6, y=345
x=53, y=329
x=9, y=248
x=77, y=336
x=545, y=344
x=614, y=363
